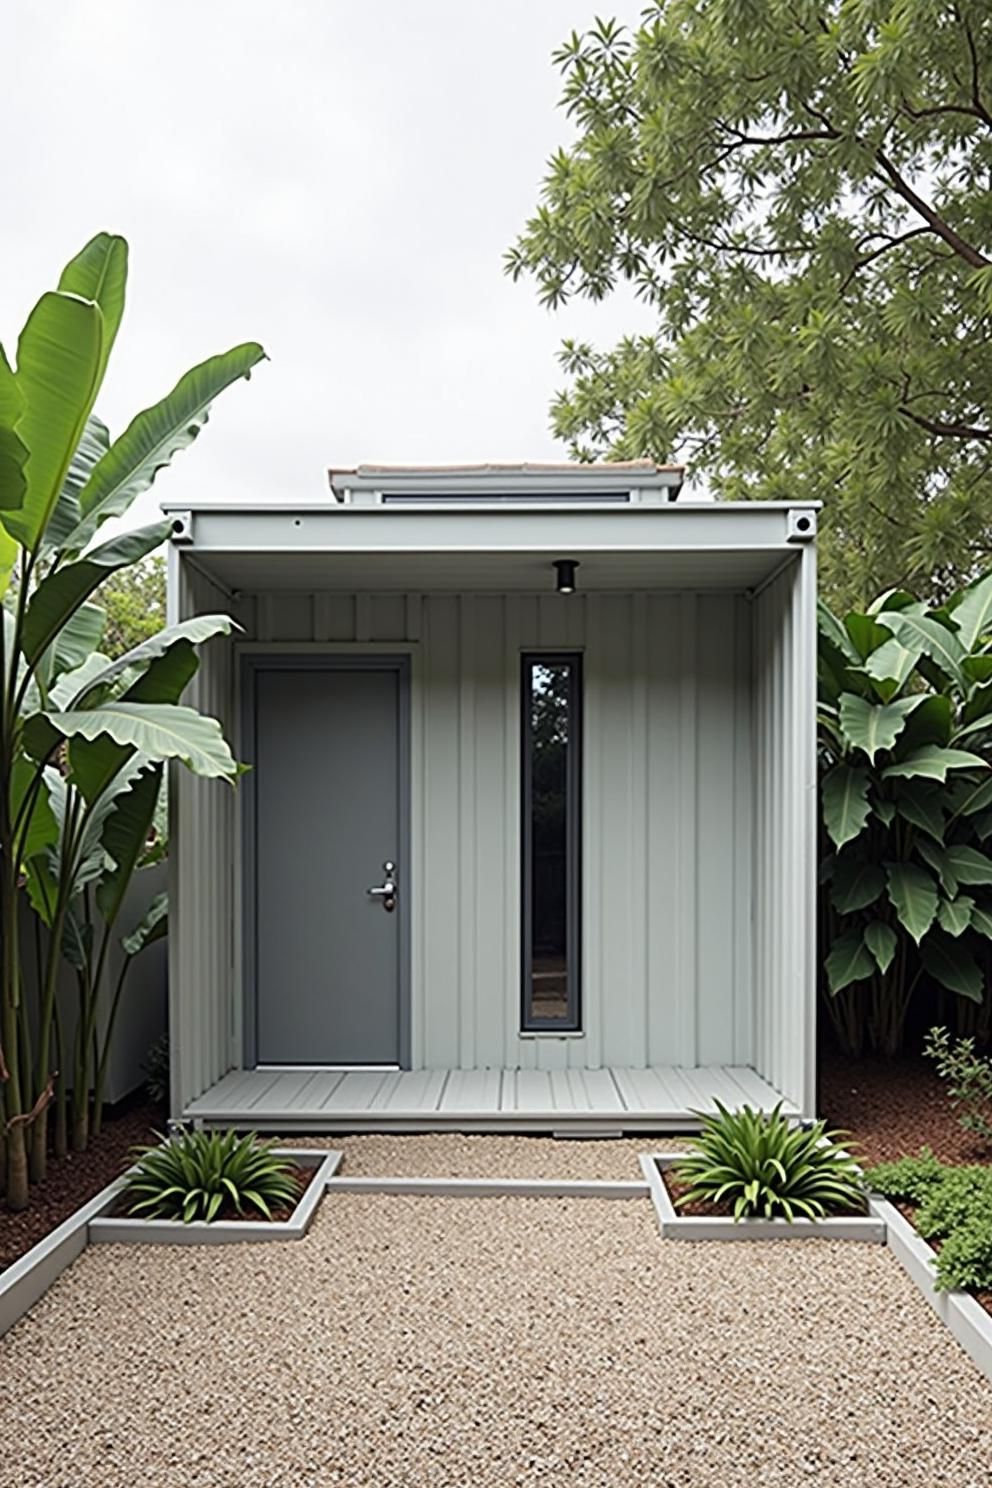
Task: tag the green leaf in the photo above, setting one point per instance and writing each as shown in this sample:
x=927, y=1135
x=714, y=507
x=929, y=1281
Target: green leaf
x=135, y=663
x=874, y=726
x=154, y=436
x=848, y=961
x=67, y=516
x=153, y=926
x=977, y=668
x=955, y=914
x=13, y=451
x=932, y=639
x=844, y=794
x=972, y=614
x=885, y=811
x=61, y=593
x=892, y=663
x=881, y=940
x=99, y=272
x=38, y=828
x=920, y=803
x=831, y=630
x=981, y=920
x=937, y=859
x=78, y=638
x=928, y=723
x=933, y=763
x=967, y=864
x=59, y=369
x=913, y=895
x=949, y=963
x=162, y=731
x=865, y=633
x=9, y=550
x=124, y=837
x=856, y=883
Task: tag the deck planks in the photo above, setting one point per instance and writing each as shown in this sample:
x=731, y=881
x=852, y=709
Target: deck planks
x=511, y=1099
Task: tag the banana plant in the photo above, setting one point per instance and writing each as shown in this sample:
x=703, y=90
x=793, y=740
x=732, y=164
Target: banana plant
x=905, y=738
x=65, y=710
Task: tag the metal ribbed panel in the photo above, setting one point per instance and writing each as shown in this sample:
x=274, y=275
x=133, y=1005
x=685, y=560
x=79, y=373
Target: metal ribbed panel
x=785, y=830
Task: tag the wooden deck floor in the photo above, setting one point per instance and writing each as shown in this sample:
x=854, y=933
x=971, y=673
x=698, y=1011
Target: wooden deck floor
x=613, y=1100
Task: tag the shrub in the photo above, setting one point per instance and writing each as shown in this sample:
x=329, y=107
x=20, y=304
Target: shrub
x=190, y=1176
x=968, y=1077
x=766, y=1168
x=955, y=1207
x=910, y=1178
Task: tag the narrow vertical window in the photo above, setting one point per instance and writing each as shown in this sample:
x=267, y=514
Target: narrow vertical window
x=551, y=714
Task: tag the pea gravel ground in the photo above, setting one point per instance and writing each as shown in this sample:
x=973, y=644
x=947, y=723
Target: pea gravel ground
x=487, y=1343
x=454, y=1155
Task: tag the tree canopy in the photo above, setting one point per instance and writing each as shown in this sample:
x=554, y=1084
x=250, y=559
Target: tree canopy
x=799, y=191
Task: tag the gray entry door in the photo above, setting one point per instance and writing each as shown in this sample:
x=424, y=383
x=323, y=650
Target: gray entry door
x=327, y=797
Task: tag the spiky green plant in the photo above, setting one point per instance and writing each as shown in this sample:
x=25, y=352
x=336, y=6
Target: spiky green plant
x=191, y=1175
x=766, y=1168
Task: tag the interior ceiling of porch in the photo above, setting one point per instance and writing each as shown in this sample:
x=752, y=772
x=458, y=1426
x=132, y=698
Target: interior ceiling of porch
x=733, y=570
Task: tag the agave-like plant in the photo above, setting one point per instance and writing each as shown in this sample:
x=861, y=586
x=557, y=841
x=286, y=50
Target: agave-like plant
x=192, y=1175
x=767, y=1168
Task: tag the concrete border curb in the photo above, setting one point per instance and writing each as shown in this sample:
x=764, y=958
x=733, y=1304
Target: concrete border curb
x=456, y=1188
x=675, y=1226
x=963, y=1315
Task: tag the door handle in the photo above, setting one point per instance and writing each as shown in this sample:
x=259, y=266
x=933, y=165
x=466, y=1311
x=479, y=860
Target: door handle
x=386, y=891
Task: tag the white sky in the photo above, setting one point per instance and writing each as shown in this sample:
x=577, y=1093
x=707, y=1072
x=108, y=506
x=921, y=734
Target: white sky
x=336, y=180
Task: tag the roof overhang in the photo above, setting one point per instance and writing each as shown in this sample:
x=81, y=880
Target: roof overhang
x=481, y=547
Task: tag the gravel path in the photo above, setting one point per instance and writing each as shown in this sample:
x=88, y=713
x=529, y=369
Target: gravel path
x=453, y=1155
x=490, y=1343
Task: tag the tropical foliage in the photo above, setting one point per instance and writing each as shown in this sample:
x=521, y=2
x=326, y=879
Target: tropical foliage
x=766, y=1168
x=799, y=195
x=83, y=739
x=905, y=727
x=954, y=1207
x=134, y=599
x=196, y=1174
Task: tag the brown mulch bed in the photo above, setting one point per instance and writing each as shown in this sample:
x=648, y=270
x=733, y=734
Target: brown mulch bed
x=892, y=1108
x=77, y=1177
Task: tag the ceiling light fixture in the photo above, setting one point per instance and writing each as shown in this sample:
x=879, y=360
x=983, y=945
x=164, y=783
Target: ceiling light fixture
x=565, y=570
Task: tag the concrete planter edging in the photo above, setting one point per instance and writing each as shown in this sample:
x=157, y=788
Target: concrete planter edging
x=107, y=1229
x=966, y=1318
x=454, y=1188
x=29, y=1278
x=674, y=1226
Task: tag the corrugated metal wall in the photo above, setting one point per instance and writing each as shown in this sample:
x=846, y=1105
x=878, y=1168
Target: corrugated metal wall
x=667, y=817
x=201, y=869
x=785, y=830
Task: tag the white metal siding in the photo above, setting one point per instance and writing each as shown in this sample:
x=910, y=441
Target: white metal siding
x=201, y=870
x=785, y=830
x=667, y=846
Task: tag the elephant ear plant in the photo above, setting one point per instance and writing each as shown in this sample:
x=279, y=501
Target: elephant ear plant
x=83, y=740
x=765, y=1168
x=905, y=729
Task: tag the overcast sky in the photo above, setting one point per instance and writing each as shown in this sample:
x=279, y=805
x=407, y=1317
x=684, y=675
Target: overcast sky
x=333, y=178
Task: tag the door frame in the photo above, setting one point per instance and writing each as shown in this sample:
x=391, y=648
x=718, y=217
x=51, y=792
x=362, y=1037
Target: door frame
x=251, y=659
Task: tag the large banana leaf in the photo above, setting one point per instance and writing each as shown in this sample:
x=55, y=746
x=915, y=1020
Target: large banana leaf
x=59, y=369
x=891, y=664
x=9, y=549
x=13, y=451
x=162, y=731
x=99, y=272
x=874, y=726
x=124, y=838
x=914, y=897
x=949, y=963
x=38, y=828
x=150, y=441
x=61, y=593
x=137, y=662
x=78, y=638
x=932, y=763
x=67, y=516
x=844, y=795
x=931, y=638
x=75, y=684
x=153, y=926
x=973, y=613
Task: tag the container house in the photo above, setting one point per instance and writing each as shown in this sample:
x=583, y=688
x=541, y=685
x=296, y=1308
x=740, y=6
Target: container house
x=528, y=838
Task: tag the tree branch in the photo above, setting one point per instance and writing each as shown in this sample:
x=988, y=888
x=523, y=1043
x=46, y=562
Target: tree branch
x=950, y=430
x=943, y=229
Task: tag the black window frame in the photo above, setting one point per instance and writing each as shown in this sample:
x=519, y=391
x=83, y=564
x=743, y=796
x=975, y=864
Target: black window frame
x=573, y=807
